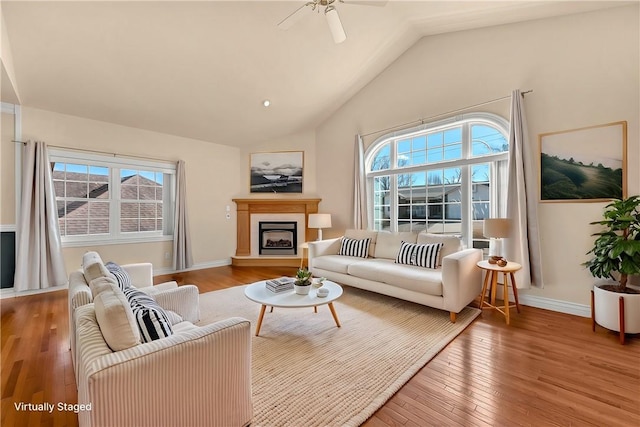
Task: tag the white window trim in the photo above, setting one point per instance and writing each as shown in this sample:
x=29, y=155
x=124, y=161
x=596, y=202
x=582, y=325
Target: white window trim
x=118, y=162
x=465, y=164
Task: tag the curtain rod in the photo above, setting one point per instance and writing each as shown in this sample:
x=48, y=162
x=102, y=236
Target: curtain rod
x=424, y=119
x=103, y=152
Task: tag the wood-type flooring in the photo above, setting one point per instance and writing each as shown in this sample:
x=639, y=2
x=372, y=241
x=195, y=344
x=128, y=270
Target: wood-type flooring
x=544, y=369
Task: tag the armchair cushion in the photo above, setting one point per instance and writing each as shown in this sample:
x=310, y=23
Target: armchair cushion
x=152, y=320
x=124, y=281
x=115, y=318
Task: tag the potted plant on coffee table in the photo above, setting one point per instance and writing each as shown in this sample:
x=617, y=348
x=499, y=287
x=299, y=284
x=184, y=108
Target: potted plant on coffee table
x=616, y=256
x=302, y=284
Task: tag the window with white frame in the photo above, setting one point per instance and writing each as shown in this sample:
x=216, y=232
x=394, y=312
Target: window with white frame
x=444, y=177
x=109, y=199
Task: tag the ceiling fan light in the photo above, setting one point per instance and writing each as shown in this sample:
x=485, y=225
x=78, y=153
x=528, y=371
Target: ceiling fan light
x=335, y=26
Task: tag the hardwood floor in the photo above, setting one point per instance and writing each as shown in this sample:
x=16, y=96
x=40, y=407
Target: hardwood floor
x=546, y=368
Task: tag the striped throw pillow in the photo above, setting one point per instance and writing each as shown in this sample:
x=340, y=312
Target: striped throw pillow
x=419, y=255
x=124, y=281
x=152, y=320
x=354, y=247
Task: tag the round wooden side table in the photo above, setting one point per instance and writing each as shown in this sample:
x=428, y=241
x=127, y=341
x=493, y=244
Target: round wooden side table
x=491, y=283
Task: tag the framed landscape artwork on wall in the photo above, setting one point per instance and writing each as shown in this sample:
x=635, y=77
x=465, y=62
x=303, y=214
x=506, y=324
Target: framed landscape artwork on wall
x=278, y=172
x=584, y=165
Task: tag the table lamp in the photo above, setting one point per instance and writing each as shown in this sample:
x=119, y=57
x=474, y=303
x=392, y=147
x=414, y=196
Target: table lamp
x=496, y=229
x=319, y=221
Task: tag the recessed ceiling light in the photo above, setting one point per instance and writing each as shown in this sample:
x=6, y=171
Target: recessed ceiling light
x=266, y=102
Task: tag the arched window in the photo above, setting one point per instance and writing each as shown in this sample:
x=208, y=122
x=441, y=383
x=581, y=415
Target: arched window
x=444, y=177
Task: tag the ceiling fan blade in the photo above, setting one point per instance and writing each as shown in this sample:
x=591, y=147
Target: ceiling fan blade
x=378, y=3
x=335, y=25
x=294, y=17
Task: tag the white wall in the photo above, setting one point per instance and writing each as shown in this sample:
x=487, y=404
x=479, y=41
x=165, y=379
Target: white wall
x=211, y=172
x=584, y=70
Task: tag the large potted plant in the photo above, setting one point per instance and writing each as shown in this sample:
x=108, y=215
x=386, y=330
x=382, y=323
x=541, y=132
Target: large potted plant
x=616, y=256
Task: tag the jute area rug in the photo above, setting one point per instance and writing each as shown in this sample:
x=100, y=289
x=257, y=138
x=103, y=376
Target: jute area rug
x=308, y=372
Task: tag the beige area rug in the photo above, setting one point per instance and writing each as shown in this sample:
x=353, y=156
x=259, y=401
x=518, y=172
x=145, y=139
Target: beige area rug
x=308, y=372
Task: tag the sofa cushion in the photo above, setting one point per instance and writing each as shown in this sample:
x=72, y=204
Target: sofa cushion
x=388, y=244
x=354, y=247
x=451, y=244
x=99, y=284
x=419, y=255
x=410, y=277
x=337, y=263
x=364, y=234
x=116, y=319
x=152, y=320
x=124, y=281
x=93, y=267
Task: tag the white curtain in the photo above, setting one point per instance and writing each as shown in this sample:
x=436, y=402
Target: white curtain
x=182, y=256
x=523, y=246
x=360, y=220
x=39, y=260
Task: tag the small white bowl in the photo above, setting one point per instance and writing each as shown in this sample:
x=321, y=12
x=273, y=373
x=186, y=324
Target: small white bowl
x=322, y=292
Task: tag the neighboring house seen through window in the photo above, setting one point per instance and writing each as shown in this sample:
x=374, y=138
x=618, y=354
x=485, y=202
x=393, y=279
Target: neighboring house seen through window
x=103, y=199
x=444, y=177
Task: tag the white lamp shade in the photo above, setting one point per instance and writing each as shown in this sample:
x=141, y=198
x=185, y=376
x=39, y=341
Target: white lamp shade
x=496, y=227
x=335, y=26
x=319, y=220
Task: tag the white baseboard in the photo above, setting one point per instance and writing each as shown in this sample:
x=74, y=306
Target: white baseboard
x=556, y=305
x=11, y=293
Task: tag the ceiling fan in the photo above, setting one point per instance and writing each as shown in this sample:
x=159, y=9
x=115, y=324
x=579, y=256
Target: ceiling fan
x=330, y=12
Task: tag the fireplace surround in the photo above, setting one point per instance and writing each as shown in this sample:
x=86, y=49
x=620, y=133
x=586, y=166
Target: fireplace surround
x=247, y=254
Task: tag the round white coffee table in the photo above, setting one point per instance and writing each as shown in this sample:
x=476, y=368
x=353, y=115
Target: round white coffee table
x=257, y=292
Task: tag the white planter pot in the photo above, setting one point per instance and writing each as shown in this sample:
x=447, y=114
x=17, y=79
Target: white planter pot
x=606, y=310
x=302, y=290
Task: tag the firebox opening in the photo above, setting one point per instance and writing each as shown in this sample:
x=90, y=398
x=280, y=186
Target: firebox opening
x=278, y=237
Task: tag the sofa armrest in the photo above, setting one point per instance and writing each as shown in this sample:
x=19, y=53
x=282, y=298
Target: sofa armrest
x=201, y=376
x=141, y=274
x=324, y=247
x=461, y=279
x=184, y=300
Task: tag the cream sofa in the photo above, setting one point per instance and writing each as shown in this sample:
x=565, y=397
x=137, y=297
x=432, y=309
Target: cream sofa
x=451, y=286
x=196, y=376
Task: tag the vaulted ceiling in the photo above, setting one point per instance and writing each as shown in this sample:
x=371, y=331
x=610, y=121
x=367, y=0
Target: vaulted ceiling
x=202, y=69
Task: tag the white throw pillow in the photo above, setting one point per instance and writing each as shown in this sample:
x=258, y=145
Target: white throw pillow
x=99, y=284
x=115, y=318
x=93, y=267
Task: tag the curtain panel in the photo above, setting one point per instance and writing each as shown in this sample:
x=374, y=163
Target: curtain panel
x=39, y=259
x=523, y=246
x=182, y=255
x=360, y=219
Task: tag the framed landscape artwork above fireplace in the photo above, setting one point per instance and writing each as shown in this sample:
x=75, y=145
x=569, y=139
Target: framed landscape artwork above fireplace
x=584, y=165
x=277, y=172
